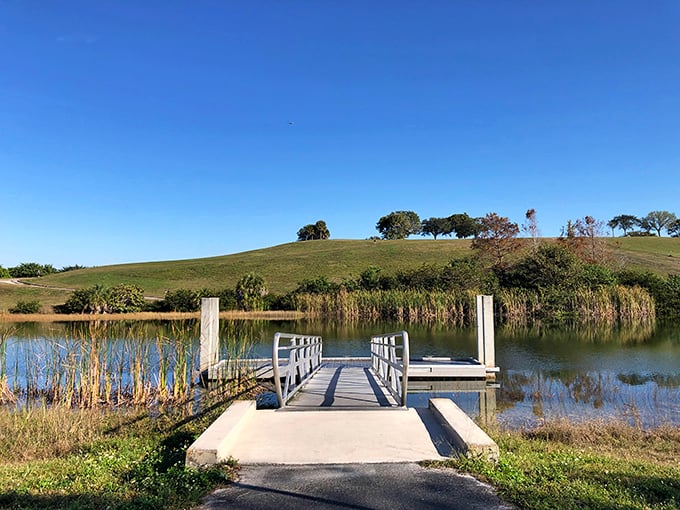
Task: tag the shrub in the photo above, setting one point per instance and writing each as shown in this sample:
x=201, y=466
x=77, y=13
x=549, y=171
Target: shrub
x=26, y=307
x=250, y=292
x=4, y=272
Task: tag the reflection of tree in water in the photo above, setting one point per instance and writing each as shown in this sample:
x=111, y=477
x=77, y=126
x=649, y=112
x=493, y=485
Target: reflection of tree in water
x=585, y=388
x=662, y=381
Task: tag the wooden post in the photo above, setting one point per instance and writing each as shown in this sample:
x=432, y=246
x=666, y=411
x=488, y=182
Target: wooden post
x=485, y=335
x=210, y=322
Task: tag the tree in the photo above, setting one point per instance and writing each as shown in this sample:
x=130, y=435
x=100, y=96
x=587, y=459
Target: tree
x=583, y=237
x=657, y=220
x=674, y=229
x=436, y=226
x=399, y=225
x=497, y=238
x=623, y=221
x=318, y=230
x=4, y=272
x=31, y=269
x=531, y=228
x=464, y=225
x=250, y=292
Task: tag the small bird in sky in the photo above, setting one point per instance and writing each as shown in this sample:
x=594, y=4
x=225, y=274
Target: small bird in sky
x=290, y=122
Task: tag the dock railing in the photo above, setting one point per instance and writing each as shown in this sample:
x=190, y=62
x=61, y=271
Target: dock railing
x=390, y=367
x=304, y=355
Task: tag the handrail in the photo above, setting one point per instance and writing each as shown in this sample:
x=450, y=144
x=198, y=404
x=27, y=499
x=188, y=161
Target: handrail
x=304, y=359
x=388, y=367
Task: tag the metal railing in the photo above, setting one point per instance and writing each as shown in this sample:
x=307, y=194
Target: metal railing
x=388, y=366
x=304, y=359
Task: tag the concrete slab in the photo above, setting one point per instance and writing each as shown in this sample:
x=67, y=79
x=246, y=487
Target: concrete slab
x=211, y=446
x=462, y=432
x=339, y=437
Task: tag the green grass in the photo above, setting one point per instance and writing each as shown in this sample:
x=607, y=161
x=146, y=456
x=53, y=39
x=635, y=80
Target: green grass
x=58, y=458
x=658, y=254
x=591, y=465
x=284, y=266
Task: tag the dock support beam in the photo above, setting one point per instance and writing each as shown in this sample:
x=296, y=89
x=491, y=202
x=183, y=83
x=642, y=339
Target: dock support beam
x=486, y=353
x=210, y=322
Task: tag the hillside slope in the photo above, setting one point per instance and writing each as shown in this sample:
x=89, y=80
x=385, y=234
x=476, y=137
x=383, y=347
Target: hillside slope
x=284, y=266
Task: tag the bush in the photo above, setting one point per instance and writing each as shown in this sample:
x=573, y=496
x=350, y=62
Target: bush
x=551, y=265
x=318, y=285
x=26, y=307
x=31, y=269
x=4, y=272
x=180, y=300
x=123, y=298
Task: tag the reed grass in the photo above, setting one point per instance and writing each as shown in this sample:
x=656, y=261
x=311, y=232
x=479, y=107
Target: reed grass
x=407, y=306
x=604, y=305
x=129, y=363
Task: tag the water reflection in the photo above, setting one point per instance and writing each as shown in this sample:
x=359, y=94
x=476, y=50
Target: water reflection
x=572, y=372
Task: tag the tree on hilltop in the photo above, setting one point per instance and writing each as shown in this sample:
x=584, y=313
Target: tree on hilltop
x=318, y=230
x=464, y=225
x=436, y=226
x=399, y=225
x=657, y=220
x=625, y=222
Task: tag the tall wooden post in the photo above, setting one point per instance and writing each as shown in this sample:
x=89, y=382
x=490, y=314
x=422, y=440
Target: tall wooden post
x=210, y=322
x=486, y=353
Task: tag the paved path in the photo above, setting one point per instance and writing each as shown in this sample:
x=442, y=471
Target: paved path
x=353, y=486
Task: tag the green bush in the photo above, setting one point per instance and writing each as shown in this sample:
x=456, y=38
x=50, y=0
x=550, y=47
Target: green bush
x=26, y=307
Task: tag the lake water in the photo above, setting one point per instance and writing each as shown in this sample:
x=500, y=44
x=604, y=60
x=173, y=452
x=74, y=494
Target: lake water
x=580, y=373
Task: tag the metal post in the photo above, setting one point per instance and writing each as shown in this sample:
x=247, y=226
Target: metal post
x=210, y=322
x=485, y=334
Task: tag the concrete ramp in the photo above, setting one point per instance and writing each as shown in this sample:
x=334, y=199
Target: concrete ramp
x=330, y=437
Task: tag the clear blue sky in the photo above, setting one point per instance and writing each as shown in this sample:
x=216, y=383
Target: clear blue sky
x=157, y=130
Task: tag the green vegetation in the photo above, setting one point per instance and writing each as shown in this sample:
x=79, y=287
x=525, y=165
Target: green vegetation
x=590, y=465
x=286, y=267
x=26, y=307
x=90, y=459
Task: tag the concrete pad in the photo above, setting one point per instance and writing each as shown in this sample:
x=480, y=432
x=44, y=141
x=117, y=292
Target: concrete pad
x=462, y=432
x=212, y=446
x=339, y=437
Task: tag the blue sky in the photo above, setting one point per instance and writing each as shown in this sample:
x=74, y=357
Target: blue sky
x=158, y=130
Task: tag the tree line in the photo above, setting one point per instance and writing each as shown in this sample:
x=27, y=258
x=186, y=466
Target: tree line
x=402, y=224
x=33, y=269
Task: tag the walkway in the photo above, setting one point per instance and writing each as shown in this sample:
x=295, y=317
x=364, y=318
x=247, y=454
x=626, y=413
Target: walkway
x=361, y=487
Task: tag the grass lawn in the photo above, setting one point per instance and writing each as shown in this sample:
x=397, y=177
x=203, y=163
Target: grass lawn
x=591, y=465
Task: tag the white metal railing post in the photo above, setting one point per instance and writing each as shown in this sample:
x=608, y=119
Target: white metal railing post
x=304, y=359
x=388, y=367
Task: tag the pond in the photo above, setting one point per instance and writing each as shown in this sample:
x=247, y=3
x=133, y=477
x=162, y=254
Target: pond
x=573, y=373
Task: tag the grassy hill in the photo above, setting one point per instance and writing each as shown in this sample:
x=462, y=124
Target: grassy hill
x=284, y=266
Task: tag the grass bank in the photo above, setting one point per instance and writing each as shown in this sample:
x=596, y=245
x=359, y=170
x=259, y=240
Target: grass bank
x=91, y=459
x=147, y=316
x=595, y=465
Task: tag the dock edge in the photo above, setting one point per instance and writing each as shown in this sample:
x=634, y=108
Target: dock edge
x=462, y=432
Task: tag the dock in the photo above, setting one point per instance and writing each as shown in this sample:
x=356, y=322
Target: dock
x=337, y=411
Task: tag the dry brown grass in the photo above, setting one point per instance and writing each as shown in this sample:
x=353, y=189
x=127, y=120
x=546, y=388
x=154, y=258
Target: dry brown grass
x=147, y=316
x=47, y=432
x=661, y=444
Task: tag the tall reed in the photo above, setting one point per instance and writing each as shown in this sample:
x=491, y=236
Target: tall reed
x=394, y=305
x=6, y=394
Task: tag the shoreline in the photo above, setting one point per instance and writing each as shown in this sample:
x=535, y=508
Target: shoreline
x=147, y=316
